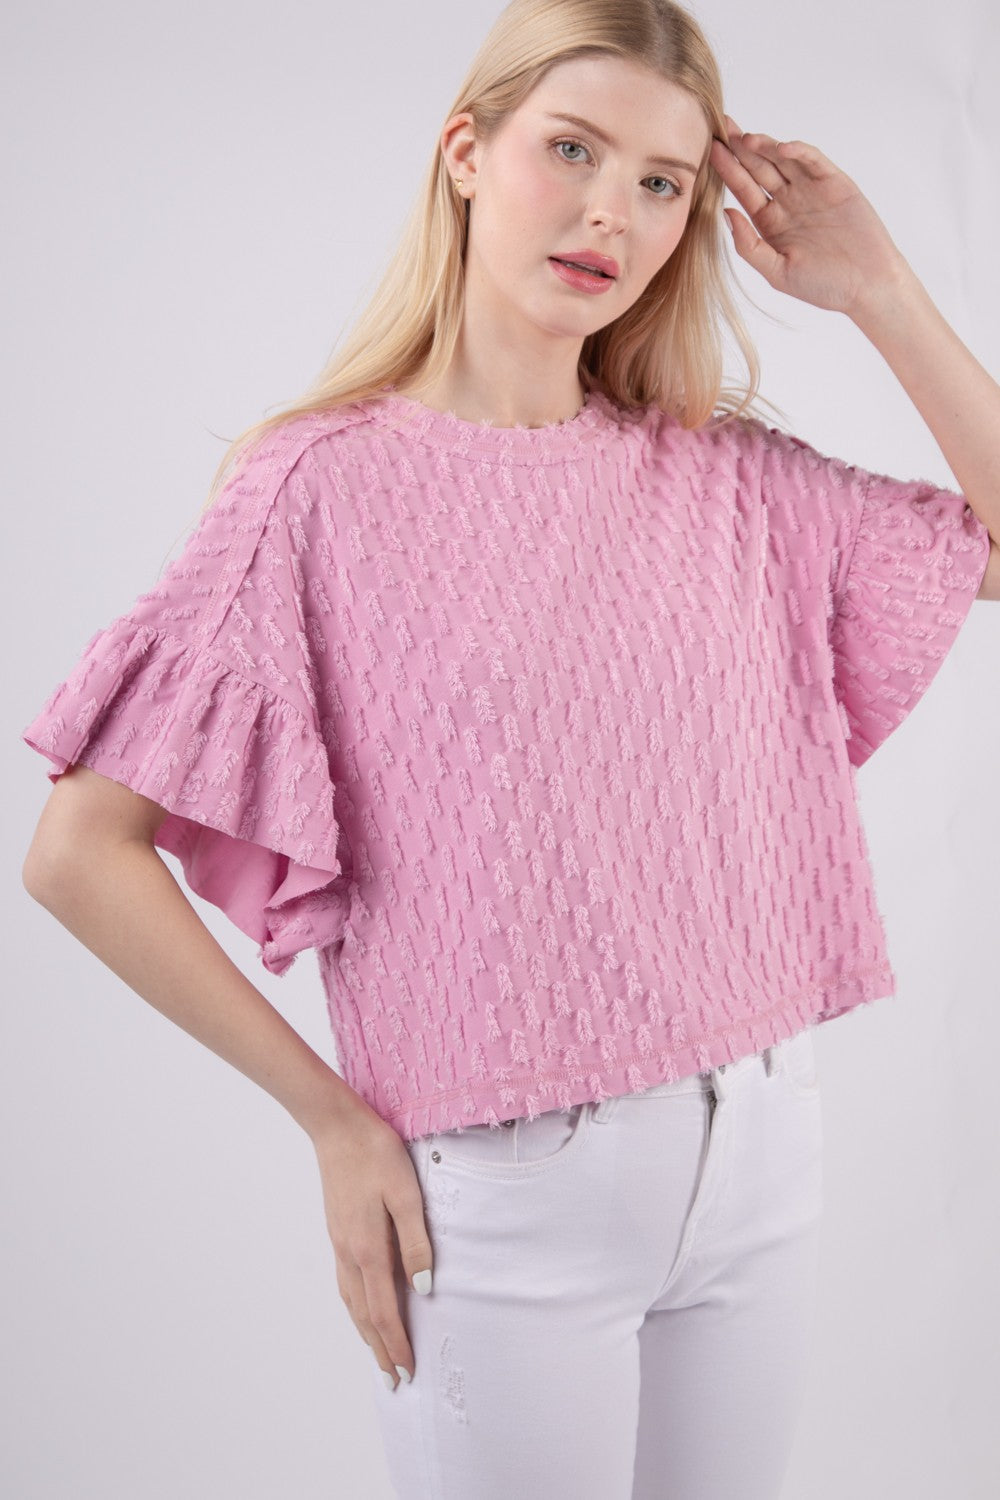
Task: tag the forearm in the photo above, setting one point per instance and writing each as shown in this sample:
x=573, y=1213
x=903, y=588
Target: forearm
x=957, y=398
x=126, y=907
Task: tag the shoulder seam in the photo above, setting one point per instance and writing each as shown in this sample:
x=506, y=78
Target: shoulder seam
x=268, y=470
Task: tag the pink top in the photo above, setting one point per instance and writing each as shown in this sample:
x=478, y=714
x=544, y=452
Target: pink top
x=545, y=738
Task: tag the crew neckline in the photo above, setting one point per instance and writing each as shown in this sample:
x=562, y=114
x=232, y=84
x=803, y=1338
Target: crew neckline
x=445, y=431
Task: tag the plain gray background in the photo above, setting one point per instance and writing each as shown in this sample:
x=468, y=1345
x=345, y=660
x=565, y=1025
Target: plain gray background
x=200, y=199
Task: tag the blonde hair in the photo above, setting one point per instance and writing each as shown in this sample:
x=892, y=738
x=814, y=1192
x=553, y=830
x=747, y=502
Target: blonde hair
x=666, y=349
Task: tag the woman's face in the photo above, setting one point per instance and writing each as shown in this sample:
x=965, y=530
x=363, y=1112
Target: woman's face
x=545, y=187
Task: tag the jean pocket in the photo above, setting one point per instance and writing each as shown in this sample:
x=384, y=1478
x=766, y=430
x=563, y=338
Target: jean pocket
x=798, y=1063
x=519, y=1148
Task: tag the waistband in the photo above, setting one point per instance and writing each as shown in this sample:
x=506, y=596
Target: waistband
x=718, y=1081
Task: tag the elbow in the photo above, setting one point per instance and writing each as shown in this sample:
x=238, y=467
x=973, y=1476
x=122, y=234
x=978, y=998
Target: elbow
x=43, y=871
x=87, y=820
x=60, y=857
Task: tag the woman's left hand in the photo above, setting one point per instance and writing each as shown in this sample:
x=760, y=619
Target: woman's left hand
x=811, y=232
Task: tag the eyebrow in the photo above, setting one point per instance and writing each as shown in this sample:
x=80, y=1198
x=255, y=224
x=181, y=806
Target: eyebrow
x=602, y=135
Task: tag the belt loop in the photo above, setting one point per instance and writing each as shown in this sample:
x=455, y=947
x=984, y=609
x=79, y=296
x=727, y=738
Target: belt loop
x=772, y=1059
x=605, y=1109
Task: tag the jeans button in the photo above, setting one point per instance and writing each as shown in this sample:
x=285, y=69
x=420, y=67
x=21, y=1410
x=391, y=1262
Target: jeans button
x=507, y=1124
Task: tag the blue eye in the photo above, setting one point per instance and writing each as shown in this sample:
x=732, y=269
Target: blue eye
x=570, y=143
x=565, y=141
x=676, y=190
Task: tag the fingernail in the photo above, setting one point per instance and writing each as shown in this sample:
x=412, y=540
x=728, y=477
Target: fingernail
x=388, y=1380
x=422, y=1282
x=403, y=1373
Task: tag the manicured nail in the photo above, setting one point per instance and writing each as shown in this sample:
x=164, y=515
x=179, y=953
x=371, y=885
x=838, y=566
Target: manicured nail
x=403, y=1373
x=388, y=1380
x=422, y=1282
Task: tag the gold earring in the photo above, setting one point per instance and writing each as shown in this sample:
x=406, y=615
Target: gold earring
x=458, y=182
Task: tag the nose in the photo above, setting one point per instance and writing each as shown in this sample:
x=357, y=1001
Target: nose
x=609, y=207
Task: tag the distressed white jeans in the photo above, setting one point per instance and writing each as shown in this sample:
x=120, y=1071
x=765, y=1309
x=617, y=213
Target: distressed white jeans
x=623, y=1297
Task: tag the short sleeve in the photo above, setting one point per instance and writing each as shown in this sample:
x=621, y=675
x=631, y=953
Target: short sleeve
x=901, y=562
x=202, y=697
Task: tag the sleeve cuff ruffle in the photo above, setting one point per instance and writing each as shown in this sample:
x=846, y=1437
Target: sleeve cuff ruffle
x=918, y=561
x=243, y=776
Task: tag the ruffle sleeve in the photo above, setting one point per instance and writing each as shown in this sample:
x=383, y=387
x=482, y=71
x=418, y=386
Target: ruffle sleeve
x=901, y=562
x=241, y=770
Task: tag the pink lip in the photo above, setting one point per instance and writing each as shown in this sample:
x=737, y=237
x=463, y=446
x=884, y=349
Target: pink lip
x=591, y=258
x=582, y=281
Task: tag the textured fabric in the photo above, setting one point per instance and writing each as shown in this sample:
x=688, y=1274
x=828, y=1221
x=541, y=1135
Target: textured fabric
x=544, y=738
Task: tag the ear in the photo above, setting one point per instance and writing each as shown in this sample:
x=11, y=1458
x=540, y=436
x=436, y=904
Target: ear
x=459, y=147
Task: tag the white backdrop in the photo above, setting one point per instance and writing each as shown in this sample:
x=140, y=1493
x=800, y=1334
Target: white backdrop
x=201, y=197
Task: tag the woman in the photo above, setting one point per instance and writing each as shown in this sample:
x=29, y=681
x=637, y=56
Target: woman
x=522, y=672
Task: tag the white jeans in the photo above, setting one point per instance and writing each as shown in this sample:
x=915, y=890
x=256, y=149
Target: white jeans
x=623, y=1296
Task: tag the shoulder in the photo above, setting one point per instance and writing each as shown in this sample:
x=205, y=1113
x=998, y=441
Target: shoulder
x=288, y=471
x=300, y=441
x=733, y=448
x=781, y=464
x=721, y=433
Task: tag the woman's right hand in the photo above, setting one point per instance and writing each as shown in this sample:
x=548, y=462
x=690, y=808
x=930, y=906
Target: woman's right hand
x=373, y=1203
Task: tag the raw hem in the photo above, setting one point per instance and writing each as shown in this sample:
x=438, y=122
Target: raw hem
x=591, y=1078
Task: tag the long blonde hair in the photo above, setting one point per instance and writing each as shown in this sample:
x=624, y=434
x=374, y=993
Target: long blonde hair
x=666, y=349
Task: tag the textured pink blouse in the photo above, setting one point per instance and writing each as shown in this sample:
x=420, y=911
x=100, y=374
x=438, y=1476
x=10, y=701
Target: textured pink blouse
x=544, y=738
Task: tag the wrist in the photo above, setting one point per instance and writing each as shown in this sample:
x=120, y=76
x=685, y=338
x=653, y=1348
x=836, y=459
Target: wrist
x=885, y=305
x=325, y=1104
